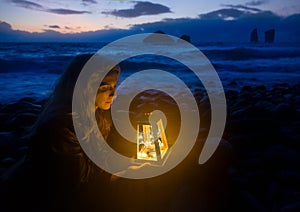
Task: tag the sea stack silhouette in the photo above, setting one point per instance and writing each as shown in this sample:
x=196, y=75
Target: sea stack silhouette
x=254, y=36
x=270, y=36
x=155, y=39
x=185, y=38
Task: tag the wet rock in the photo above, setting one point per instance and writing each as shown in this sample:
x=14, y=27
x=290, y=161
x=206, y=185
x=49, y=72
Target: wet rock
x=21, y=107
x=7, y=162
x=245, y=144
x=27, y=99
x=289, y=177
x=279, y=157
x=204, y=104
x=240, y=182
x=296, y=89
x=282, y=85
x=232, y=95
x=248, y=202
x=233, y=83
x=243, y=102
x=285, y=111
x=220, y=161
x=4, y=117
x=198, y=94
x=293, y=207
x=21, y=151
x=22, y=121
x=264, y=106
x=260, y=88
x=257, y=110
x=8, y=143
x=247, y=126
x=246, y=88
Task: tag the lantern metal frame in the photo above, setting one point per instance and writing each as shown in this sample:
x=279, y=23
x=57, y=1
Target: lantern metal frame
x=152, y=144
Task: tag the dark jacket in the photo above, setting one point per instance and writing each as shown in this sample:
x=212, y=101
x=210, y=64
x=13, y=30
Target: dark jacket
x=63, y=173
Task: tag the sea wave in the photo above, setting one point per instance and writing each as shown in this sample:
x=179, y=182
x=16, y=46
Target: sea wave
x=30, y=69
x=244, y=53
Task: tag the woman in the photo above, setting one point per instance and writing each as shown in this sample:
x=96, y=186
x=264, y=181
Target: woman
x=62, y=171
x=65, y=179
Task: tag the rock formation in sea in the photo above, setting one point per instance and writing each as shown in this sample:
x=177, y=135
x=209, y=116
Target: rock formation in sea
x=184, y=37
x=155, y=39
x=254, y=36
x=270, y=36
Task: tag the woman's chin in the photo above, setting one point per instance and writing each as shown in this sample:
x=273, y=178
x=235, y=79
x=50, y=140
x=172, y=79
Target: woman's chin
x=106, y=107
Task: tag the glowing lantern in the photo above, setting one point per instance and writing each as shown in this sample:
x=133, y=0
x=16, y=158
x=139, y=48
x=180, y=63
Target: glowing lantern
x=152, y=143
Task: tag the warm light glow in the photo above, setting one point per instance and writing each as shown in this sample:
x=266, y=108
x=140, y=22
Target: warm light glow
x=151, y=141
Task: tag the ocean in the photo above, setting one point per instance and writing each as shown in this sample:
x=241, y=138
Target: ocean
x=32, y=69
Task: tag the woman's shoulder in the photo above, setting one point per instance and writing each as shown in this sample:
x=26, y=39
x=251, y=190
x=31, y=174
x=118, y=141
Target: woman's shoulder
x=57, y=122
x=56, y=131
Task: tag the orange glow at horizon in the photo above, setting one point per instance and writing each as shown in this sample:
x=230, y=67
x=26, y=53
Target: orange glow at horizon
x=61, y=29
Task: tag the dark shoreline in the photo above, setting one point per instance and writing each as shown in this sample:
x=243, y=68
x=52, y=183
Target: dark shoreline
x=260, y=145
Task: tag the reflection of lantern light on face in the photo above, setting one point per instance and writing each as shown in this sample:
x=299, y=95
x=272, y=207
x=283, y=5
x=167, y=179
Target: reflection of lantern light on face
x=151, y=141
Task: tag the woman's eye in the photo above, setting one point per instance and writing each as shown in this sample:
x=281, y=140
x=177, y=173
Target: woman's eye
x=104, y=88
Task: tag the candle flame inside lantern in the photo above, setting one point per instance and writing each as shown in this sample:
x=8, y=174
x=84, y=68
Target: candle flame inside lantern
x=151, y=141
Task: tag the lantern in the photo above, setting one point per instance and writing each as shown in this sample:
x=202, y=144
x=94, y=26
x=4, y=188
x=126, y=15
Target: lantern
x=152, y=143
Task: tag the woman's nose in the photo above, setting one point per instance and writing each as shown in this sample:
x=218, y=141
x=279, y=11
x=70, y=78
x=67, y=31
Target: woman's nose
x=112, y=92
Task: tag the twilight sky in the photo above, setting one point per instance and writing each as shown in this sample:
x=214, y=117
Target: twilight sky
x=21, y=19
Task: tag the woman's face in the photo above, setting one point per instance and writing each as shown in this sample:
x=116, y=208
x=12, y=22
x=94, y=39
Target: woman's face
x=107, y=92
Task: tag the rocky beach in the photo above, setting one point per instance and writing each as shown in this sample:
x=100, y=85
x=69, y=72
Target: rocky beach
x=258, y=158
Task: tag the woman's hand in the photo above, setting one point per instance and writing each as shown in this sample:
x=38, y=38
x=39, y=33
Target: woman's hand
x=132, y=168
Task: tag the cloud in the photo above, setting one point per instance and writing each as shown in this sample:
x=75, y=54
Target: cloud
x=140, y=8
x=256, y=3
x=216, y=29
x=120, y=0
x=200, y=30
x=38, y=7
x=223, y=14
x=4, y=27
x=51, y=32
x=243, y=7
x=28, y=5
x=54, y=26
x=89, y=1
x=67, y=11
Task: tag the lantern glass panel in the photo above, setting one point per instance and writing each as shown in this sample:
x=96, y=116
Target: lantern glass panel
x=152, y=143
